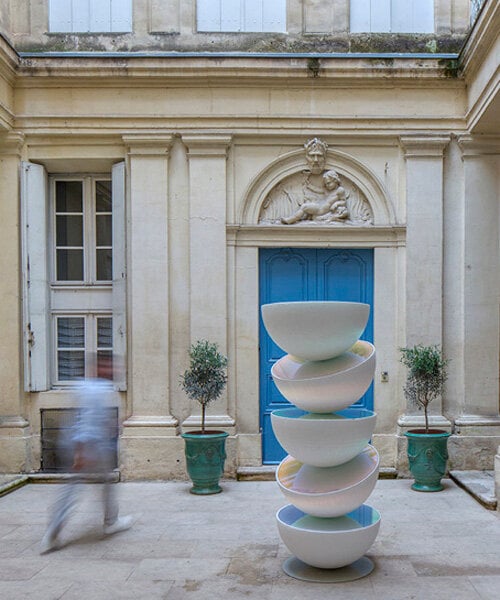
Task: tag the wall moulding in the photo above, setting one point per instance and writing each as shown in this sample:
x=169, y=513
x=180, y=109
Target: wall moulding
x=12, y=143
x=148, y=144
x=236, y=125
x=358, y=71
x=206, y=144
x=478, y=145
x=324, y=237
x=420, y=146
x=6, y=118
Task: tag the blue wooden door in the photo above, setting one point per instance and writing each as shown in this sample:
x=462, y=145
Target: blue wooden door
x=293, y=274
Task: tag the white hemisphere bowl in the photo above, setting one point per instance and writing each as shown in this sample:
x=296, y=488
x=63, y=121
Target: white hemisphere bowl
x=329, y=491
x=328, y=543
x=328, y=385
x=323, y=440
x=315, y=330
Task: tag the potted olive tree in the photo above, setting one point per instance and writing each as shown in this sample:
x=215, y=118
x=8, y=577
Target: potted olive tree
x=204, y=381
x=427, y=448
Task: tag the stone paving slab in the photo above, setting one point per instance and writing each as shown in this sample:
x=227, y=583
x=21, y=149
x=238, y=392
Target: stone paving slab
x=441, y=545
x=480, y=484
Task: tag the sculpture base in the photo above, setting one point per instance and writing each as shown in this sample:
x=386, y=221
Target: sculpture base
x=356, y=570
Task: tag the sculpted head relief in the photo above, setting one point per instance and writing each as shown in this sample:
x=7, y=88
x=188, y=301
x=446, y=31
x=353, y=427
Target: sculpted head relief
x=316, y=155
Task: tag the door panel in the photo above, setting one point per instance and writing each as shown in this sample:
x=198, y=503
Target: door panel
x=295, y=274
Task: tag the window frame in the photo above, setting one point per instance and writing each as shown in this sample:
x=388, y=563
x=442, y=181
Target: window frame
x=88, y=298
x=90, y=347
x=42, y=300
x=89, y=231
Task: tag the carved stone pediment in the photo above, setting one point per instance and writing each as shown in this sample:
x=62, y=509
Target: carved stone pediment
x=316, y=196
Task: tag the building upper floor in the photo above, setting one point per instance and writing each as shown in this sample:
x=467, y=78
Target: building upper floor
x=265, y=26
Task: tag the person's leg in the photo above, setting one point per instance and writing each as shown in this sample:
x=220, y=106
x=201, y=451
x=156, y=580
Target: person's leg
x=112, y=522
x=59, y=515
x=110, y=502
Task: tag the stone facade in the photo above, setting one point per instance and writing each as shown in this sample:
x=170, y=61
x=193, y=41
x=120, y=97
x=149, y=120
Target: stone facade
x=213, y=145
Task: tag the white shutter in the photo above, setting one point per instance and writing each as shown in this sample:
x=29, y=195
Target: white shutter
x=81, y=16
x=380, y=16
x=360, y=16
x=121, y=15
x=231, y=17
x=423, y=16
x=34, y=192
x=119, y=274
x=274, y=16
x=208, y=15
x=252, y=15
x=60, y=16
x=100, y=16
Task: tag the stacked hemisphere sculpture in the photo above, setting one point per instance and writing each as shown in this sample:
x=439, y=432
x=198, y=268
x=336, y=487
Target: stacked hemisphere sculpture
x=331, y=469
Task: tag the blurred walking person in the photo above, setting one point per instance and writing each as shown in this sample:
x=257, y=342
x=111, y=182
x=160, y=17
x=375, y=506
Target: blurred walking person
x=91, y=449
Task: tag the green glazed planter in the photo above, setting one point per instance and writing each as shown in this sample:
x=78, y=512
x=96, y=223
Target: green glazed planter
x=427, y=456
x=205, y=457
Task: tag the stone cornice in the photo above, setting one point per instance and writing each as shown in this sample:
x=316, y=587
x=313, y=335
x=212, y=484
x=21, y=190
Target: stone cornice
x=207, y=144
x=148, y=144
x=478, y=145
x=342, y=237
x=6, y=118
x=11, y=143
x=9, y=61
x=220, y=70
x=424, y=146
x=481, y=38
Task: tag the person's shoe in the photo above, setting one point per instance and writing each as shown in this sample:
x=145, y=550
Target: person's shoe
x=49, y=542
x=121, y=524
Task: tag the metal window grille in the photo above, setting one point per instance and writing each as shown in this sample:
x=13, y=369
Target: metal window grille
x=56, y=424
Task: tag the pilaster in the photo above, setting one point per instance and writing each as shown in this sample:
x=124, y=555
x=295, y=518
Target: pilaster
x=424, y=252
x=481, y=285
x=14, y=428
x=150, y=422
x=207, y=156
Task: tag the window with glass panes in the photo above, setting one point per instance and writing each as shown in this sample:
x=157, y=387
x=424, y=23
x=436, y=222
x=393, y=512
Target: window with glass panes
x=81, y=284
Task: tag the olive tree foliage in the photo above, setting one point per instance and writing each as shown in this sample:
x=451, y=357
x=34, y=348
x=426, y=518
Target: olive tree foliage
x=206, y=377
x=426, y=376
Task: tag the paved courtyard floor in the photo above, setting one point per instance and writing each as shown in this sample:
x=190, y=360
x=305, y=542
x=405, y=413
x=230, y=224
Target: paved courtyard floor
x=430, y=546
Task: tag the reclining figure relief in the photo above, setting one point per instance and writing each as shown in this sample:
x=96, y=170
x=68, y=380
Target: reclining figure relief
x=316, y=196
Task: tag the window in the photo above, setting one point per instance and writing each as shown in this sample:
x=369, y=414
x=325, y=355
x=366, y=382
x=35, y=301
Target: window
x=74, y=265
x=90, y=16
x=392, y=16
x=83, y=231
x=241, y=15
x=82, y=272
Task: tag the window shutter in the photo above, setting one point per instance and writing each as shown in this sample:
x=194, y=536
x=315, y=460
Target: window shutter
x=380, y=16
x=252, y=15
x=121, y=15
x=34, y=193
x=360, y=16
x=422, y=13
x=231, y=17
x=60, y=15
x=119, y=275
x=81, y=16
x=100, y=15
x=274, y=16
x=208, y=15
